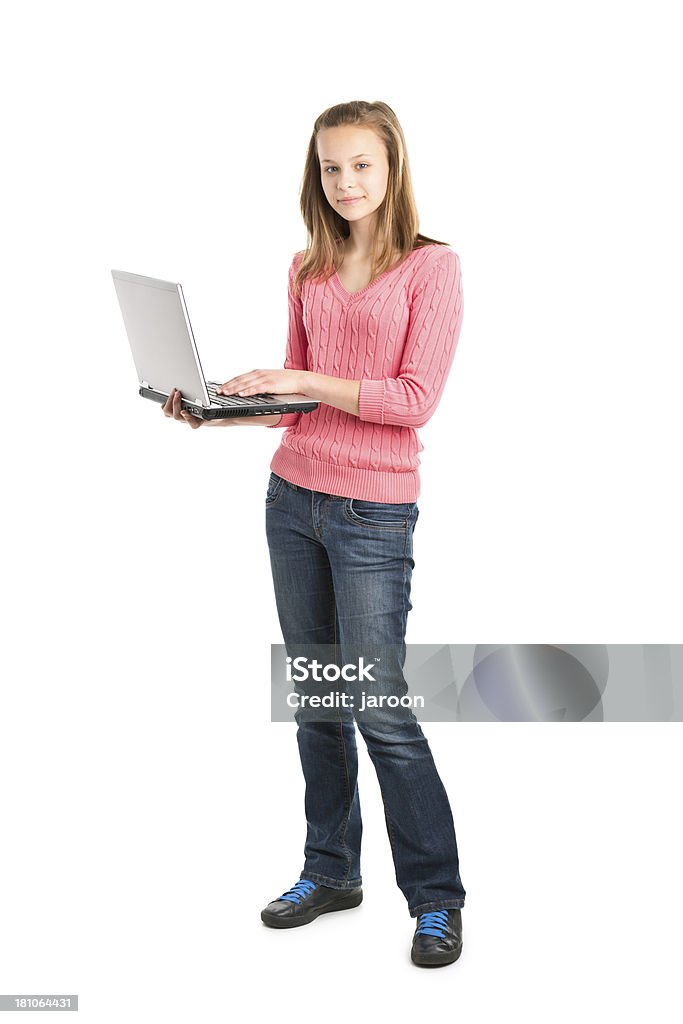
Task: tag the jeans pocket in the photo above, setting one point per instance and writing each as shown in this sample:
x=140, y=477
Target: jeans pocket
x=381, y=514
x=275, y=485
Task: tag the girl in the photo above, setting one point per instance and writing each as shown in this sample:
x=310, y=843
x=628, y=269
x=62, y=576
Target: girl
x=375, y=311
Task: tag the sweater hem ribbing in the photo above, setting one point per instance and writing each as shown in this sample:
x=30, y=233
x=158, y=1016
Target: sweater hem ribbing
x=345, y=481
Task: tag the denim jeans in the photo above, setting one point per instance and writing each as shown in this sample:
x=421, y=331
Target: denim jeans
x=341, y=570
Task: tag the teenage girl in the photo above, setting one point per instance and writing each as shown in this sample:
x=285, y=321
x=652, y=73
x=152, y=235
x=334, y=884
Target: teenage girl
x=375, y=311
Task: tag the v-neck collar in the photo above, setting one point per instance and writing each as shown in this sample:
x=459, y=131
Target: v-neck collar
x=346, y=297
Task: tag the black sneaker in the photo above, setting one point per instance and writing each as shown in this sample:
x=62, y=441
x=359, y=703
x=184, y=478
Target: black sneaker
x=437, y=939
x=305, y=901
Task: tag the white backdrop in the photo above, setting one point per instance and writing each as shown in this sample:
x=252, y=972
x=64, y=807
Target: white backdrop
x=149, y=808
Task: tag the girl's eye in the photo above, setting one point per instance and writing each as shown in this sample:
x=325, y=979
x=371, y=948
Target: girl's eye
x=333, y=168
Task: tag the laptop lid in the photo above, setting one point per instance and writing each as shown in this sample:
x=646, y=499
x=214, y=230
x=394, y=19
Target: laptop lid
x=160, y=335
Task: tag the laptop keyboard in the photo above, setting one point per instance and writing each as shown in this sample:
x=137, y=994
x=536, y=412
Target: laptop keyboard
x=228, y=401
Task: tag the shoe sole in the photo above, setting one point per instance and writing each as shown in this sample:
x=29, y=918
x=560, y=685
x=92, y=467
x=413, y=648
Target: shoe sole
x=435, y=959
x=296, y=922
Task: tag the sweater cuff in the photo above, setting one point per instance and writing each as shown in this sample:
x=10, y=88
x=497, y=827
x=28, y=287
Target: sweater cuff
x=288, y=419
x=371, y=401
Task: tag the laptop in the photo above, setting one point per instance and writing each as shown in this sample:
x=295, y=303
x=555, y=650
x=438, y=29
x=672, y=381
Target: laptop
x=165, y=354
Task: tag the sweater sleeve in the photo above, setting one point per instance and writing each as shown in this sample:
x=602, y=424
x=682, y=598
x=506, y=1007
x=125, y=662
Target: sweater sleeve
x=296, y=357
x=410, y=399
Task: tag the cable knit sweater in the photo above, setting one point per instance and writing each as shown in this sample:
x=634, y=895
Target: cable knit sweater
x=397, y=336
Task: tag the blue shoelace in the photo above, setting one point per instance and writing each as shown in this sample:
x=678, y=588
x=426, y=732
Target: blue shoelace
x=299, y=892
x=433, y=923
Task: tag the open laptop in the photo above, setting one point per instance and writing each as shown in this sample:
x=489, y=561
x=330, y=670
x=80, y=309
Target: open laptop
x=165, y=354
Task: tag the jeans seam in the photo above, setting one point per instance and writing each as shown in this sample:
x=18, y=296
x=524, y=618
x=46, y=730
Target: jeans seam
x=347, y=805
x=404, y=623
x=345, y=765
x=390, y=831
x=405, y=574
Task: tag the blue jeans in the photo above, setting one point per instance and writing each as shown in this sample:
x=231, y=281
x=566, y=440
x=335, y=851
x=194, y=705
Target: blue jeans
x=342, y=569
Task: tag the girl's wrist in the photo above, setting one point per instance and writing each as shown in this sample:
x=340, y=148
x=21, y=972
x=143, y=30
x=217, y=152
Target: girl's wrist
x=311, y=385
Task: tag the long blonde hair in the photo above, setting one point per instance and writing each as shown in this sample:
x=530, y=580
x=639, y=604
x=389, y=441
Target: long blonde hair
x=397, y=219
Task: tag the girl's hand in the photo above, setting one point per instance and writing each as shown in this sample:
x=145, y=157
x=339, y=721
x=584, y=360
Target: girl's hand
x=172, y=408
x=267, y=382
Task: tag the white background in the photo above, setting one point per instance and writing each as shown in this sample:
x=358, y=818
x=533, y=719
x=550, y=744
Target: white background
x=149, y=808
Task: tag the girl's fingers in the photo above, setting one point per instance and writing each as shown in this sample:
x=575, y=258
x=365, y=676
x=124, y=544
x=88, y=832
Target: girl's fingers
x=173, y=407
x=237, y=384
x=231, y=387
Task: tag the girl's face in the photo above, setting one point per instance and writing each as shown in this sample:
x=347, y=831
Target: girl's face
x=353, y=164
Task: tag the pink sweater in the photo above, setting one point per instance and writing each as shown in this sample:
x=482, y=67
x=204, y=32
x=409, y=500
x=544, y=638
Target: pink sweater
x=398, y=337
